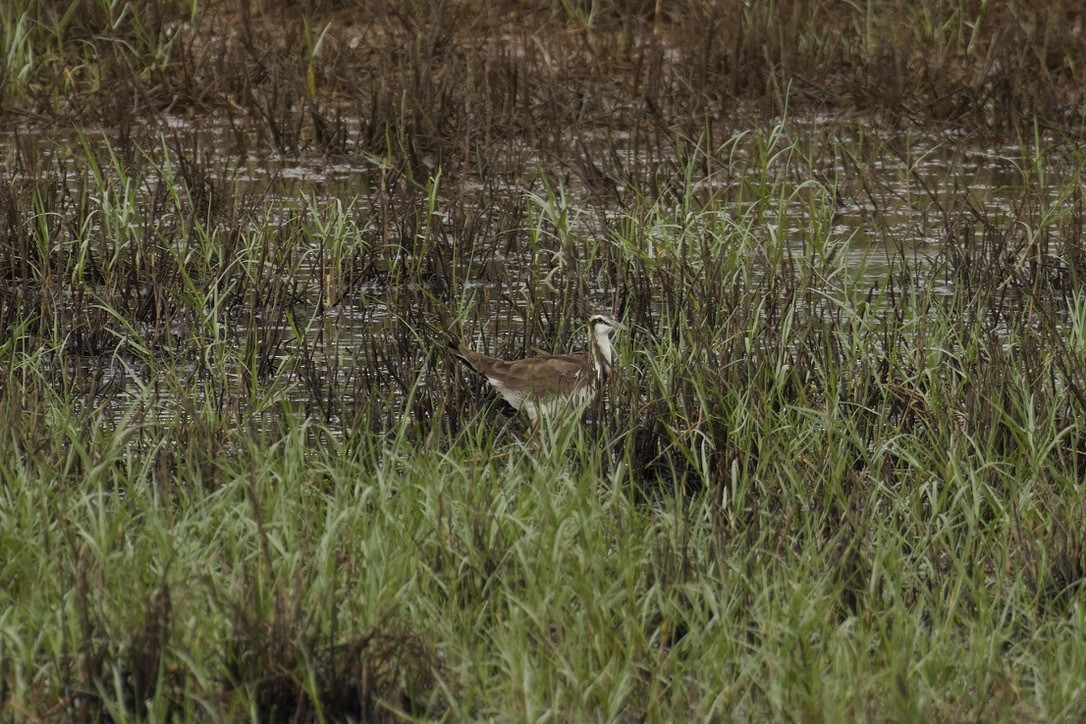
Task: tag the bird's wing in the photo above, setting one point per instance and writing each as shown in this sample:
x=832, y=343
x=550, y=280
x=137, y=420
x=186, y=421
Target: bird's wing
x=539, y=377
x=546, y=376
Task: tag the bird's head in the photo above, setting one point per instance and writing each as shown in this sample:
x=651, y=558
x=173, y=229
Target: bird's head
x=603, y=326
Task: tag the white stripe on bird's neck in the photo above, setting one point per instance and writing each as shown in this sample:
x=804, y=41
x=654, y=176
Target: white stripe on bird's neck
x=601, y=360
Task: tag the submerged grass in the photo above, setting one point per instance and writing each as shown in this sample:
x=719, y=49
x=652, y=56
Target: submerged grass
x=830, y=479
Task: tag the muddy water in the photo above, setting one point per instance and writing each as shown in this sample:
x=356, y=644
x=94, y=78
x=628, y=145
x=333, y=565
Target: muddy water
x=875, y=202
x=894, y=201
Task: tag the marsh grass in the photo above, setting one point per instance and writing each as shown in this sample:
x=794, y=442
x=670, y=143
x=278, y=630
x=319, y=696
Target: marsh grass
x=837, y=475
x=805, y=495
x=449, y=85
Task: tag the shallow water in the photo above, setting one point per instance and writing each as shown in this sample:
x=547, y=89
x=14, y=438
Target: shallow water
x=872, y=199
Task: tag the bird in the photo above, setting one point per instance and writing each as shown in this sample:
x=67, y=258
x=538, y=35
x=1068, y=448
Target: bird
x=543, y=385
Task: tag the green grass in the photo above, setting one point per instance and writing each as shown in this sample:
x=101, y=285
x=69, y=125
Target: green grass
x=805, y=498
x=837, y=475
x=496, y=579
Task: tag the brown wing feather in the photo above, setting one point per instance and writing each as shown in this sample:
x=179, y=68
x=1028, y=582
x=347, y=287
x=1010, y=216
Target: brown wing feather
x=547, y=376
x=538, y=377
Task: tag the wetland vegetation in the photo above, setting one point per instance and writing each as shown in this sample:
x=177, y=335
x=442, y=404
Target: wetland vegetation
x=838, y=473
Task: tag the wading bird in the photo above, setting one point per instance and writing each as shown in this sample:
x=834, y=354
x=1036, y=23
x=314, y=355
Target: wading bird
x=544, y=385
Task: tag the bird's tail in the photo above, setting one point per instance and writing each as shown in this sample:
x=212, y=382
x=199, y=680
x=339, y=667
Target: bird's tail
x=454, y=350
x=472, y=359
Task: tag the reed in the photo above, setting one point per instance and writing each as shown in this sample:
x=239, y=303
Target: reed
x=837, y=474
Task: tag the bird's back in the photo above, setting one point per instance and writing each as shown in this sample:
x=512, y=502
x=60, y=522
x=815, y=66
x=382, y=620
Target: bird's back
x=535, y=384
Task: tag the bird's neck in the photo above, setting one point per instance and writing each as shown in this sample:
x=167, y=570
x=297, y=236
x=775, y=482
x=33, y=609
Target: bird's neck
x=600, y=346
